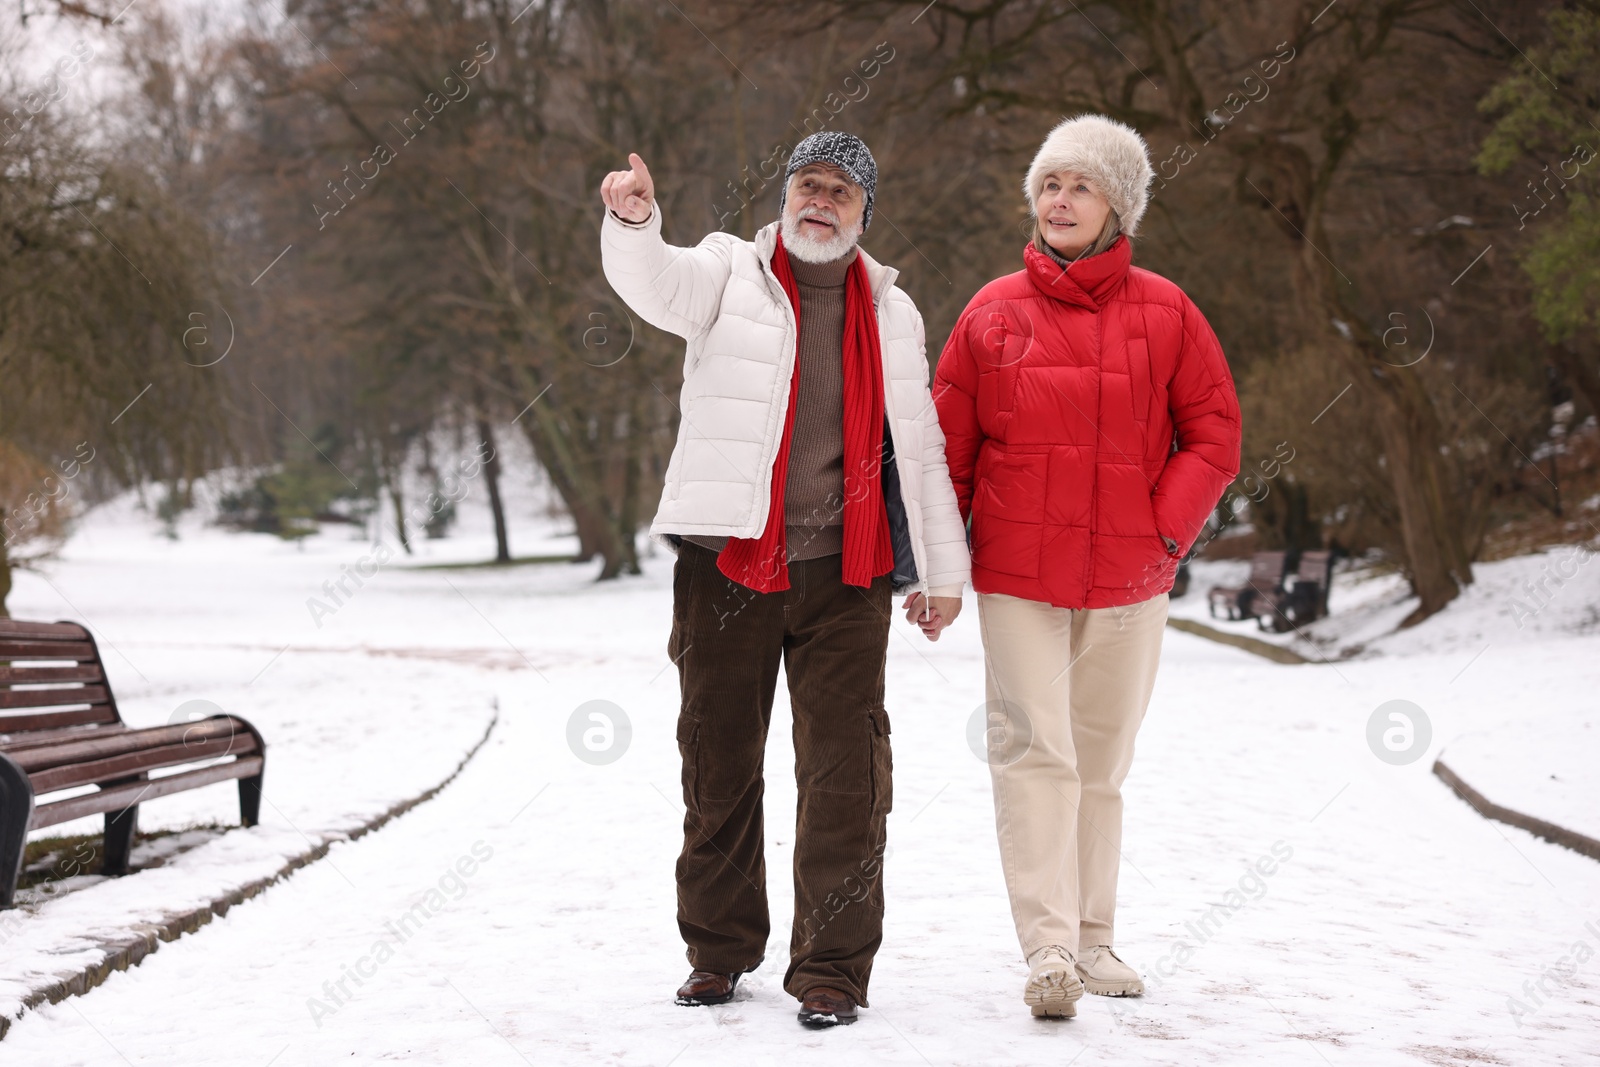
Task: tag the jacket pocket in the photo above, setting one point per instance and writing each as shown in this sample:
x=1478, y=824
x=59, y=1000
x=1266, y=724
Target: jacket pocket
x=1140, y=385
x=1003, y=353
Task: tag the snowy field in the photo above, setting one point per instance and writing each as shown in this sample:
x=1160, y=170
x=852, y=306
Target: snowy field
x=1402, y=928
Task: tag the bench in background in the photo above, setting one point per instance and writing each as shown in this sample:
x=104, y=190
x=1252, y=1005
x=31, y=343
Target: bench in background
x=1239, y=601
x=60, y=730
x=1304, y=598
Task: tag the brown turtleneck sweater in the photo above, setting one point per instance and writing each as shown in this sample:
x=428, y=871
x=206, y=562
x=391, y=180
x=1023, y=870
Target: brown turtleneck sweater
x=813, y=501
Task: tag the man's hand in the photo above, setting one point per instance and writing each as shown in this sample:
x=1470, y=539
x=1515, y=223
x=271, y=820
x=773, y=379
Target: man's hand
x=933, y=614
x=629, y=193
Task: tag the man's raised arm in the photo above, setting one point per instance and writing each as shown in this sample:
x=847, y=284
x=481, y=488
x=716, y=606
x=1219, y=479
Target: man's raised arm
x=676, y=289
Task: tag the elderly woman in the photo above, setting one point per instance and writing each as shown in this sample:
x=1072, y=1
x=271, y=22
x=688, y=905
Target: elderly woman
x=1091, y=425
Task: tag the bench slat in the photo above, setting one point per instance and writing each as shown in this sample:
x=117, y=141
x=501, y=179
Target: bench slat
x=145, y=759
x=1267, y=567
x=34, y=760
x=46, y=698
x=65, y=672
x=122, y=796
x=19, y=648
x=44, y=631
x=16, y=742
x=45, y=720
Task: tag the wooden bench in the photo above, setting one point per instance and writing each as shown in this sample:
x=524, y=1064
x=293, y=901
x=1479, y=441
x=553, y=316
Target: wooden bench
x=60, y=730
x=1239, y=601
x=1305, y=599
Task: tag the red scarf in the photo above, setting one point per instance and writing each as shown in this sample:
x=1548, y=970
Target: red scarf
x=761, y=563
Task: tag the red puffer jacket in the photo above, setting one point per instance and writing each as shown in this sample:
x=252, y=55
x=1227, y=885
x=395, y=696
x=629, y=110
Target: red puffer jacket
x=1088, y=415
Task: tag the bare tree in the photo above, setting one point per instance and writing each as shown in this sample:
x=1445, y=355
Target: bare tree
x=100, y=269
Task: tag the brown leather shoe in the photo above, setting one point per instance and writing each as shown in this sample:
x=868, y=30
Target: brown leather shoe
x=823, y=1007
x=706, y=987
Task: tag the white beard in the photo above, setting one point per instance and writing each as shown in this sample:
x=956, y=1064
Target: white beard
x=808, y=249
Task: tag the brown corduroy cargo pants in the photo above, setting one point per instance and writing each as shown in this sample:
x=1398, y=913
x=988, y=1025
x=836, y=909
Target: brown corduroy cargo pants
x=727, y=641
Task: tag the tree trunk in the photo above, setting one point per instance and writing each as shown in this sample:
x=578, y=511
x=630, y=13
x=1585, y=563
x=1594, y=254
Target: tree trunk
x=1438, y=561
x=491, y=478
x=633, y=462
x=1434, y=539
x=583, y=495
x=588, y=540
x=5, y=580
x=392, y=481
x=590, y=530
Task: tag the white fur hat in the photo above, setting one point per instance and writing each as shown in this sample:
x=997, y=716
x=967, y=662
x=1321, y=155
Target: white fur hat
x=1111, y=155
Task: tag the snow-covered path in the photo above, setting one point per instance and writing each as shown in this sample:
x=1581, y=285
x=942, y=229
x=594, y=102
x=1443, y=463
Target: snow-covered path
x=1393, y=928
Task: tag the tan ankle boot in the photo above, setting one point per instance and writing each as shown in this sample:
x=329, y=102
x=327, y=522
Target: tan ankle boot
x=1053, y=989
x=1104, y=973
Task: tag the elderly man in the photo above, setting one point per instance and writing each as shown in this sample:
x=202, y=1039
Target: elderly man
x=808, y=483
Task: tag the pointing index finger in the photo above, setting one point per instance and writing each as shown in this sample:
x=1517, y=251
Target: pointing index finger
x=637, y=163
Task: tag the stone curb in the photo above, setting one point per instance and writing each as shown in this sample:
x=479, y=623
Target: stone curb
x=1557, y=835
x=1264, y=649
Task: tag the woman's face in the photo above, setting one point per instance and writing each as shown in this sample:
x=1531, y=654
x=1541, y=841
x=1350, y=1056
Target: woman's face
x=1071, y=213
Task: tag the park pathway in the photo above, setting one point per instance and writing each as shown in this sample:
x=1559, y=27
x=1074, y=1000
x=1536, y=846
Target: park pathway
x=1292, y=898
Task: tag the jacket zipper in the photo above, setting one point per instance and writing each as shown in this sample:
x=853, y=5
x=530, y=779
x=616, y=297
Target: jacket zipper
x=794, y=332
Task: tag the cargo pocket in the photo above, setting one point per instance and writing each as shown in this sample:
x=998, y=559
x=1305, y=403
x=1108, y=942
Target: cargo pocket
x=882, y=765
x=689, y=750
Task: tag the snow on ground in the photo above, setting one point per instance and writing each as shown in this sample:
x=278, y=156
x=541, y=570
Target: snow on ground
x=220, y=621
x=1534, y=617
x=1526, y=600
x=1291, y=897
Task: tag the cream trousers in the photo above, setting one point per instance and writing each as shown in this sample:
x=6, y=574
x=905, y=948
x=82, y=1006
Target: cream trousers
x=1067, y=691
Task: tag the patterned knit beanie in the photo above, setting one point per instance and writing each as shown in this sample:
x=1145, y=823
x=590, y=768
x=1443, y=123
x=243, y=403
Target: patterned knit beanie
x=845, y=151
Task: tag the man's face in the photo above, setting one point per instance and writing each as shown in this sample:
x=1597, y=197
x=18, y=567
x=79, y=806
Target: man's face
x=822, y=213
x=836, y=200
